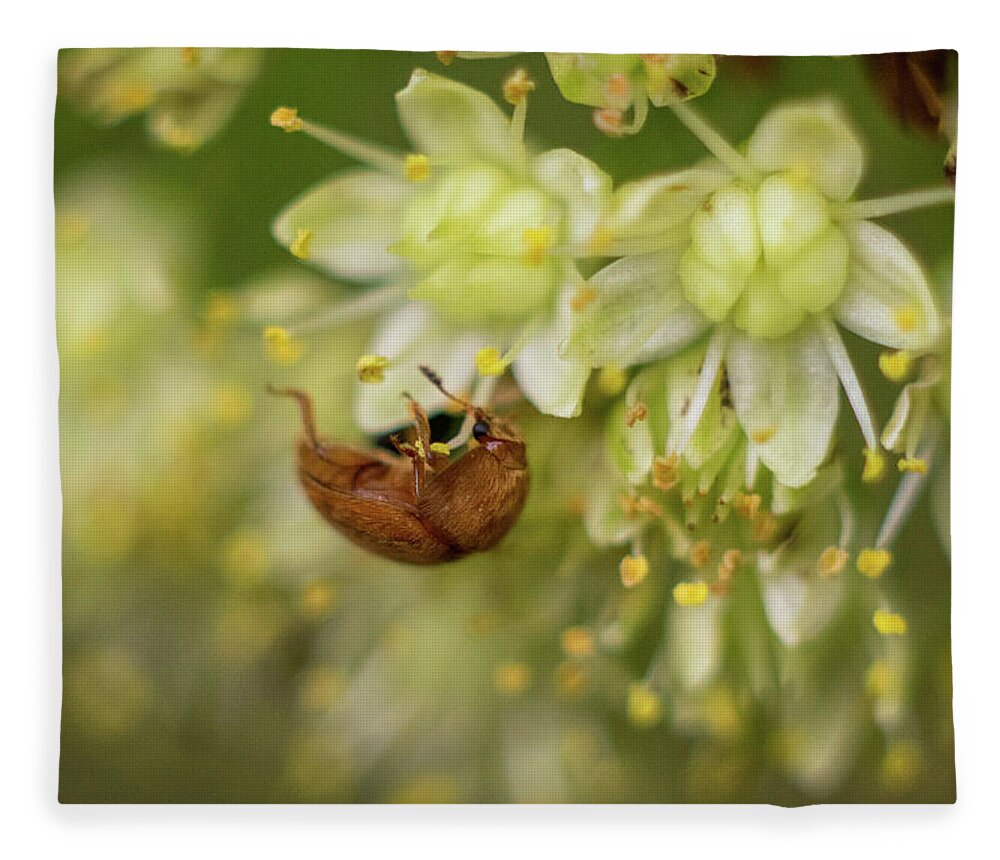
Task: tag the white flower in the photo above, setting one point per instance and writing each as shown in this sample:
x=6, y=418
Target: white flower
x=765, y=254
x=479, y=231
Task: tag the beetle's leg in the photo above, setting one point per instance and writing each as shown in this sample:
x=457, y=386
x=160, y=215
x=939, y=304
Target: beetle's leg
x=420, y=423
x=305, y=407
x=418, y=461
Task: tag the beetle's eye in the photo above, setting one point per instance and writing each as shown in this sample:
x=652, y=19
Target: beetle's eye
x=480, y=429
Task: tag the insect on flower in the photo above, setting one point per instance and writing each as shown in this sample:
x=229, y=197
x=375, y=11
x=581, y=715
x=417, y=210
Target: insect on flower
x=418, y=505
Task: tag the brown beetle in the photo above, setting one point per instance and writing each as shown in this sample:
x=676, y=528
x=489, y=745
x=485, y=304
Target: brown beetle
x=417, y=506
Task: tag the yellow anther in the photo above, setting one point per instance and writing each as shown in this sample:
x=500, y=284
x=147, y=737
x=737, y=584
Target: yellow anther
x=440, y=448
x=317, y=599
x=517, y=87
x=889, y=623
x=874, y=562
x=190, y=56
x=901, y=764
x=896, y=366
x=635, y=413
x=912, y=464
x=446, y=57
x=831, y=561
x=132, y=98
x=644, y=707
x=489, y=362
x=537, y=241
x=701, y=552
x=906, y=318
x=763, y=435
x=512, y=678
x=666, y=472
x=582, y=298
x=646, y=505
x=633, y=570
x=747, y=504
x=280, y=346
x=690, y=593
x=287, y=119
x=418, y=167
x=611, y=380
x=618, y=90
x=419, y=445
x=874, y=467
x=577, y=642
x=878, y=679
x=764, y=527
x=731, y=560
x=301, y=242
x=180, y=138
x=232, y=404
x=609, y=121
x=371, y=368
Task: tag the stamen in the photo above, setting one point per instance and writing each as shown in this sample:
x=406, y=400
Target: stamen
x=874, y=562
x=644, y=707
x=714, y=142
x=666, y=472
x=577, y=642
x=690, y=593
x=703, y=390
x=874, y=467
x=371, y=368
x=611, y=380
x=512, y=678
x=747, y=505
x=280, y=346
x=701, y=553
x=608, y=121
x=889, y=623
x=633, y=570
x=883, y=206
x=441, y=448
x=367, y=304
x=896, y=366
x=831, y=561
x=907, y=493
x=848, y=378
x=418, y=167
x=300, y=244
x=912, y=464
x=446, y=58
x=371, y=154
x=515, y=91
x=489, y=362
x=635, y=413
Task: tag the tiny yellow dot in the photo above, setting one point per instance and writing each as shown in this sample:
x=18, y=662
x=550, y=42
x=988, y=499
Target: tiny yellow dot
x=301, y=242
x=644, y=707
x=690, y=593
x=418, y=167
x=889, y=623
x=906, y=318
x=874, y=562
x=633, y=570
x=896, y=366
x=512, y=678
x=489, y=362
x=287, y=119
x=831, y=561
x=874, y=467
x=517, y=87
x=371, y=368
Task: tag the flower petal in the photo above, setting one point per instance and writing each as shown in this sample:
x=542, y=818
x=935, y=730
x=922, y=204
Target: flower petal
x=580, y=184
x=409, y=337
x=449, y=120
x=657, y=210
x=813, y=137
x=352, y=219
x=887, y=298
x=639, y=309
x=695, y=643
x=785, y=392
x=605, y=519
x=554, y=385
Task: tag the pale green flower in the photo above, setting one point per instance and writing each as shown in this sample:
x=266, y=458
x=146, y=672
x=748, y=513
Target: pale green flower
x=479, y=231
x=187, y=94
x=765, y=254
x=620, y=87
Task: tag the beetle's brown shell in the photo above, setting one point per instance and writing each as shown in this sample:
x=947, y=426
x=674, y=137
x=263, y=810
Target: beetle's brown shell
x=369, y=496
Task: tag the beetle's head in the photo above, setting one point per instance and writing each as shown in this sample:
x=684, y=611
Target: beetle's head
x=500, y=439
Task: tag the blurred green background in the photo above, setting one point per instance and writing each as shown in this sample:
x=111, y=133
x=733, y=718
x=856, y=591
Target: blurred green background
x=223, y=645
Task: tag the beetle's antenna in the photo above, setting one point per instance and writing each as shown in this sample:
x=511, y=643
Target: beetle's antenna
x=305, y=406
x=437, y=382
